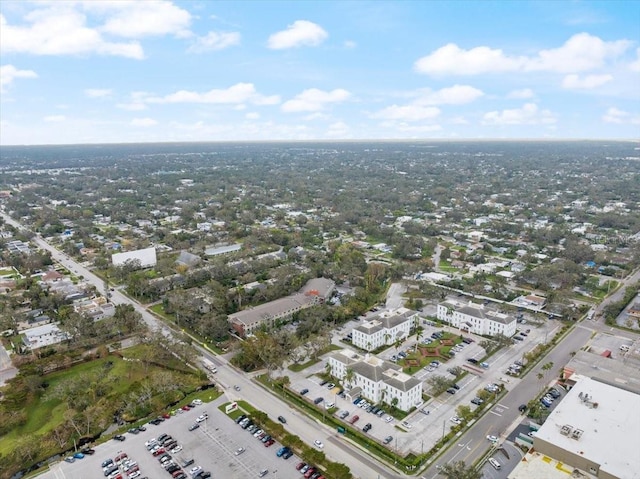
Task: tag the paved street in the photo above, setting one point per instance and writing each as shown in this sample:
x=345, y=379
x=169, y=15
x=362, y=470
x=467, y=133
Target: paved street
x=468, y=446
x=503, y=415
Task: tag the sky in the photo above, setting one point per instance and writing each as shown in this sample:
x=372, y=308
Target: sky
x=146, y=71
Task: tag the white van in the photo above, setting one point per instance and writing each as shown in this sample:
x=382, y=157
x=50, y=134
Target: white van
x=496, y=465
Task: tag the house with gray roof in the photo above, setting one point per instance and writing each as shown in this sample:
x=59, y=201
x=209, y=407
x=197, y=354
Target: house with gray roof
x=384, y=329
x=476, y=318
x=375, y=379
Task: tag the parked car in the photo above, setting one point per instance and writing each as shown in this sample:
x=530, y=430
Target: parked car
x=367, y=427
x=119, y=437
x=387, y=439
x=318, y=400
x=282, y=419
x=354, y=419
x=304, y=391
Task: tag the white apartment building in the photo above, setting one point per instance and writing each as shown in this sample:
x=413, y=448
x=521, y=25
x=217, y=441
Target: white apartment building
x=476, y=318
x=377, y=380
x=384, y=329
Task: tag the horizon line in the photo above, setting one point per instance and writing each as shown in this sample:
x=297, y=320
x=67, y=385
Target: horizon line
x=343, y=140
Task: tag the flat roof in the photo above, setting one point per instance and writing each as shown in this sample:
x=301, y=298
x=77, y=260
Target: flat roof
x=535, y=464
x=609, y=425
x=611, y=371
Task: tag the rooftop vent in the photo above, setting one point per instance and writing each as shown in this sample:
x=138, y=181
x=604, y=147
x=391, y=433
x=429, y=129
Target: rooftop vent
x=566, y=430
x=576, y=434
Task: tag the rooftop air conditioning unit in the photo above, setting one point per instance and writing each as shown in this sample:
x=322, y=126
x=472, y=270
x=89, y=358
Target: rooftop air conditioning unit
x=566, y=430
x=576, y=434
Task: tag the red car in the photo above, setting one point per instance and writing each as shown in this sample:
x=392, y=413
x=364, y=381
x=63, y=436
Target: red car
x=166, y=416
x=270, y=442
x=309, y=472
x=300, y=465
x=186, y=408
x=158, y=452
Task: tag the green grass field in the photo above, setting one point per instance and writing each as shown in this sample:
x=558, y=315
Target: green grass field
x=45, y=411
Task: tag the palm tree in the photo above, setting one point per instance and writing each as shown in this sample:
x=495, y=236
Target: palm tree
x=419, y=334
x=387, y=336
x=349, y=376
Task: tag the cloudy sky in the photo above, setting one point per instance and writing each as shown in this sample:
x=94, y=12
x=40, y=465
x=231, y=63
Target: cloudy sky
x=134, y=71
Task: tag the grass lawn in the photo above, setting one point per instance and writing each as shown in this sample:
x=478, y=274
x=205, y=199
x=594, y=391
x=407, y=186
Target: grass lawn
x=297, y=367
x=46, y=411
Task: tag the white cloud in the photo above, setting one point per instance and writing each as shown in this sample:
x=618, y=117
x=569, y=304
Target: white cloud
x=97, y=92
x=60, y=31
x=581, y=52
x=315, y=100
x=143, y=122
x=252, y=115
x=213, y=41
x=459, y=120
x=635, y=65
x=135, y=19
x=407, y=113
x=529, y=114
x=350, y=44
x=575, y=82
x=451, y=59
x=614, y=115
x=299, y=33
x=8, y=73
x=521, y=94
x=454, y=95
x=235, y=94
x=136, y=103
x=54, y=118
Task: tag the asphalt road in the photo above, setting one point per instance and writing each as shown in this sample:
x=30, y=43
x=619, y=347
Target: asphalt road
x=470, y=446
x=499, y=420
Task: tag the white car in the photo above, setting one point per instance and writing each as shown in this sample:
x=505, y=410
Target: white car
x=406, y=425
x=151, y=442
x=492, y=438
x=257, y=433
x=388, y=419
x=176, y=449
x=201, y=418
x=456, y=420
x=239, y=451
x=197, y=402
x=195, y=470
x=318, y=444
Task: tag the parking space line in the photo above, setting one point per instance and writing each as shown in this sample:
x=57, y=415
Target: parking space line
x=492, y=412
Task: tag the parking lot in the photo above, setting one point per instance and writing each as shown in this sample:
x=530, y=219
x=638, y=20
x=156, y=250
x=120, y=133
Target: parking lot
x=425, y=430
x=212, y=446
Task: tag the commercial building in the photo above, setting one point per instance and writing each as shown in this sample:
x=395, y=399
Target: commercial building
x=384, y=329
x=247, y=321
x=145, y=257
x=595, y=429
x=377, y=380
x=476, y=318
